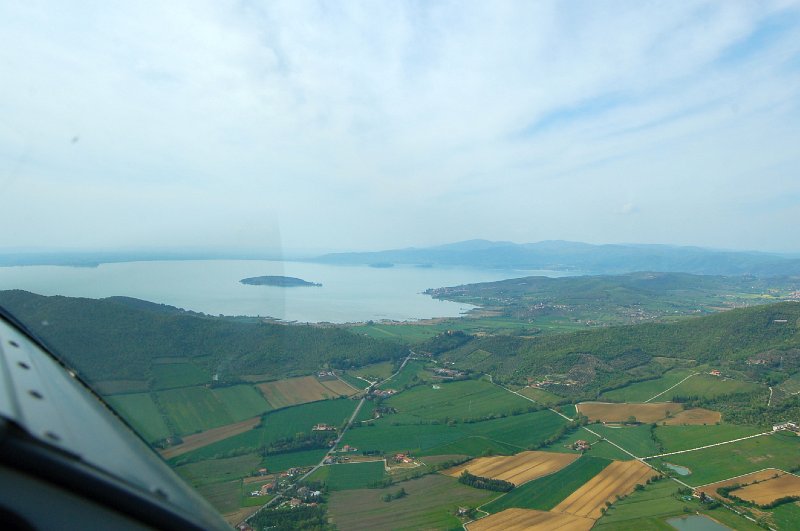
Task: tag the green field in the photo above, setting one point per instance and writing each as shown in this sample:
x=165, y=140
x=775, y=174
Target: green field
x=599, y=448
x=413, y=373
x=540, y=395
x=242, y=401
x=722, y=462
x=430, y=503
x=285, y=461
x=641, y=391
x=142, y=413
x=352, y=380
x=277, y=424
x=216, y=470
x=458, y=400
x=547, y=492
x=675, y=438
x=650, y=508
x=350, y=476
x=225, y=497
x=193, y=409
x=503, y=435
x=786, y=516
x=375, y=371
x=169, y=375
x=635, y=439
x=707, y=386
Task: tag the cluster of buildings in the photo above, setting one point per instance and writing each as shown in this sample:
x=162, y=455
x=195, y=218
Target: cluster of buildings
x=382, y=393
x=323, y=427
x=787, y=426
x=581, y=445
x=448, y=373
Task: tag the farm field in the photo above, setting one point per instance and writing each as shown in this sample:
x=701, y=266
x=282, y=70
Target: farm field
x=458, y=400
x=617, y=479
x=530, y=520
x=676, y=438
x=610, y=412
x=113, y=387
x=216, y=470
x=204, y=438
x=358, y=383
x=641, y=391
x=505, y=435
x=430, y=503
x=707, y=386
x=294, y=391
x=187, y=374
x=650, y=508
x=277, y=424
x=547, y=492
x=761, y=475
x=413, y=373
x=729, y=460
x=770, y=490
x=241, y=401
x=225, y=497
x=339, y=387
x=635, y=439
x=517, y=469
x=142, y=413
x=285, y=461
x=376, y=371
x=193, y=409
x=694, y=417
x=540, y=395
x=350, y=476
x=600, y=448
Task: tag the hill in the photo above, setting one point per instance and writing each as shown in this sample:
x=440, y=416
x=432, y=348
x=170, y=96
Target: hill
x=573, y=256
x=120, y=338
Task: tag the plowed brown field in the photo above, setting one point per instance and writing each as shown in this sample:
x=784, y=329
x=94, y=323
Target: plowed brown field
x=696, y=416
x=517, y=469
x=761, y=475
x=618, y=478
x=607, y=412
x=531, y=520
x=770, y=490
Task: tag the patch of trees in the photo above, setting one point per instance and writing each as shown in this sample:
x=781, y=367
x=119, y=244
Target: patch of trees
x=394, y=496
x=301, y=441
x=286, y=519
x=479, y=482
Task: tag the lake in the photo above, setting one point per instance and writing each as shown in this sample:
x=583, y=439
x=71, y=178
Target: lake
x=347, y=294
x=696, y=522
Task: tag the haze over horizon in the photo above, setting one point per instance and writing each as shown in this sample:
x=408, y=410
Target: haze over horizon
x=357, y=126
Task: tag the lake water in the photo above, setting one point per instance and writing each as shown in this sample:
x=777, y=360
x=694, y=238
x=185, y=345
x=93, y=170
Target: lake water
x=348, y=293
x=696, y=522
x=681, y=470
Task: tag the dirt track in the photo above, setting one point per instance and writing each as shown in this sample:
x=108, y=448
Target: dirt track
x=618, y=478
x=517, y=469
x=531, y=520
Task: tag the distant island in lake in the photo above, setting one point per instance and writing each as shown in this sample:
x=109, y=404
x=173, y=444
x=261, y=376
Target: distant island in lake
x=277, y=280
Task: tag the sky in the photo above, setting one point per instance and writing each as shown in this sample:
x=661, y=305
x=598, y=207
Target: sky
x=316, y=126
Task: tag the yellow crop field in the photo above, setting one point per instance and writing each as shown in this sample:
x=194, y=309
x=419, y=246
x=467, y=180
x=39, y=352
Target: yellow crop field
x=293, y=391
x=518, y=469
x=339, y=387
x=770, y=490
x=531, y=520
x=618, y=478
x=204, y=438
x=609, y=412
x=747, y=479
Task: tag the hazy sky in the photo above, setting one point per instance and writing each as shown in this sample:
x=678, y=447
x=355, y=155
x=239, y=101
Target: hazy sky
x=370, y=125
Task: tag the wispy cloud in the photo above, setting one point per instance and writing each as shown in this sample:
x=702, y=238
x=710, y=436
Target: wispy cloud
x=373, y=124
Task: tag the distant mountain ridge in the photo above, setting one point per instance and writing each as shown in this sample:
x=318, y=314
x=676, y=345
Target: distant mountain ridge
x=581, y=257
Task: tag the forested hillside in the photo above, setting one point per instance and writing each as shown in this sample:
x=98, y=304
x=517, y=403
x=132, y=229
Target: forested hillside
x=118, y=338
x=611, y=356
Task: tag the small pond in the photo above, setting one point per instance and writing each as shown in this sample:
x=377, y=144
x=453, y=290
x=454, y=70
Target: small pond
x=681, y=470
x=696, y=522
